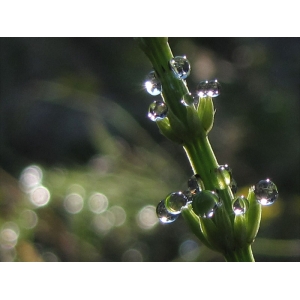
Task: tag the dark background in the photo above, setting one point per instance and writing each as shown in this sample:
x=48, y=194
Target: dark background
x=76, y=107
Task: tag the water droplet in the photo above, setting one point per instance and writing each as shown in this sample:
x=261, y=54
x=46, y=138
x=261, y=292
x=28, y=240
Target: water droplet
x=157, y=110
x=202, y=88
x=188, y=99
x=240, y=205
x=180, y=67
x=194, y=184
x=205, y=203
x=175, y=201
x=223, y=176
x=214, y=88
x=152, y=84
x=208, y=88
x=163, y=214
x=266, y=192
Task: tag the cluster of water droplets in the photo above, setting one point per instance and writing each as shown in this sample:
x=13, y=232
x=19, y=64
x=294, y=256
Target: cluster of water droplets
x=181, y=69
x=206, y=202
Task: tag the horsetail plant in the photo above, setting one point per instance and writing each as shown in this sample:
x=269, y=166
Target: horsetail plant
x=222, y=221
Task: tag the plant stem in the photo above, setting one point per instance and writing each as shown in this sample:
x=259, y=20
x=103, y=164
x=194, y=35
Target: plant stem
x=185, y=123
x=240, y=255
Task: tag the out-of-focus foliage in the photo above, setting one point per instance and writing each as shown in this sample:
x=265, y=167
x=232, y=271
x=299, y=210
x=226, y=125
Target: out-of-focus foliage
x=82, y=168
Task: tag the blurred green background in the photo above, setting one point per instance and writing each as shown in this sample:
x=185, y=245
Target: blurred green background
x=82, y=168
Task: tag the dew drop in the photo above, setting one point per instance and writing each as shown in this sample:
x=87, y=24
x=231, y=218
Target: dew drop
x=266, y=192
x=175, y=201
x=202, y=88
x=157, y=110
x=213, y=88
x=188, y=99
x=210, y=88
x=223, y=176
x=205, y=203
x=152, y=84
x=240, y=205
x=163, y=214
x=194, y=184
x=180, y=67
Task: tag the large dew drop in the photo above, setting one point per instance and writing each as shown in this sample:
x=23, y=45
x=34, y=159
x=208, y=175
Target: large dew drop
x=208, y=88
x=174, y=202
x=205, y=204
x=240, y=205
x=266, y=192
x=152, y=84
x=188, y=99
x=157, y=110
x=180, y=67
x=163, y=214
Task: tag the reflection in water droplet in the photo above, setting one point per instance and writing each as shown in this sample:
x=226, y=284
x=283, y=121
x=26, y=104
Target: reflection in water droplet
x=31, y=177
x=213, y=88
x=189, y=250
x=132, y=255
x=266, y=192
x=208, y=88
x=205, y=204
x=29, y=219
x=40, y=196
x=194, y=184
x=119, y=214
x=202, y=88
x=174, y=202
x=73, y=203
x=187, y=99
x=180, y=67
x=223, y=176
x=146, y=217
x=157, y=110
x=9, y=235
x=98, y=203
x=240, y=205
x=163, y=214
x=152, y=84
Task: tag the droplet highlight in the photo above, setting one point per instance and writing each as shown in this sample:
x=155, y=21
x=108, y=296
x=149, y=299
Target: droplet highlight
x=223, y=176
x=205, y=203
x=214, y=88
x=174, y=202
x=240, y=205
x=157, y=110
x=153, y=84
x=163, y=214
x=207, y=88
x=180, y=66
x=266, y=192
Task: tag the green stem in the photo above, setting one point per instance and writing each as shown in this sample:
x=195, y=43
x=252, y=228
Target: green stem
x=240, y=255
x=191, y=128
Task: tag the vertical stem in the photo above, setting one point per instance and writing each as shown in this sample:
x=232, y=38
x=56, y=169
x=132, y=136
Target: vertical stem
x=192, y=134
